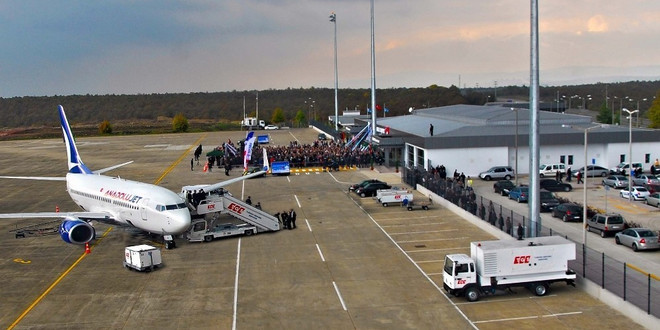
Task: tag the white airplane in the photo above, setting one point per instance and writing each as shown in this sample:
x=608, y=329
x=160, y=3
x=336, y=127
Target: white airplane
x=114, y=200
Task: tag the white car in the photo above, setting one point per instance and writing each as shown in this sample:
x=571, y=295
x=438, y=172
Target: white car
x=271, y=127
x=638, y=193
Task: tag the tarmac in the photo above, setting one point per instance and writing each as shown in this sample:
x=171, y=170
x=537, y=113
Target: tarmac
x=350, y=263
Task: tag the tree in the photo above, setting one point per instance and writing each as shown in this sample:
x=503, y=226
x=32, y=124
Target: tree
x=604, y=115
x=278, y=116
x=654, y=112
x=180, y=123
x=300, y=117
x=105, y=128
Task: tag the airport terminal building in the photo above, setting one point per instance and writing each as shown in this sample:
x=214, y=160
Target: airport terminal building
x=471, y=139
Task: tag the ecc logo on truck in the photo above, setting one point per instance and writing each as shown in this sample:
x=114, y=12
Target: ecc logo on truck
x=521, y=260
x=236, y=208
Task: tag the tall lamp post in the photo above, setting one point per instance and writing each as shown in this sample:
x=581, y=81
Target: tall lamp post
x=333, y=19
x=310, y=106
x=584, y=179
x=516, y=143
x=630, y=162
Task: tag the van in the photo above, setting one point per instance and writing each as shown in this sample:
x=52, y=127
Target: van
x=551, y=169
x=606, y=224
x=624, y=168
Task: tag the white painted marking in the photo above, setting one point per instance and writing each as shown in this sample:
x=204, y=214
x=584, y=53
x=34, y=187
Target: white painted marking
x=432, y=240
x=423, y=232
x=297, y=201
x=527, y=317
x=429, y=261
x=488, y=301
x=294, y=137
x=238, y=264
x=320, y=253
x=432, y=250
x=339, y=295
x=414, y=224
x=287, y=178
x=308, y=226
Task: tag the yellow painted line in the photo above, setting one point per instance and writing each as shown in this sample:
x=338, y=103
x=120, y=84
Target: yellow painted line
x=57, y=281
x=653, y=276
x=176, y=162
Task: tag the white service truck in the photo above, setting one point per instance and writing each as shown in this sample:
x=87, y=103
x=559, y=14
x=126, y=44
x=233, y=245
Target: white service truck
x=533, y=263
x=142, y=257
x=253, y=123
x=389, y=196
x=199, y=231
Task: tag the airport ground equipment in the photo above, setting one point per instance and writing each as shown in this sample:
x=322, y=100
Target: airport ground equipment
x=220, y=201
x=533, y=263
x=424, y=205
x=142, y=257
x=202, y=231
x=389, y=196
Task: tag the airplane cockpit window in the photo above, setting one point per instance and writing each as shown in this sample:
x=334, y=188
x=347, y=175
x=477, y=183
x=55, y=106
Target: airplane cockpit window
x=160, y=208
x=176, y=206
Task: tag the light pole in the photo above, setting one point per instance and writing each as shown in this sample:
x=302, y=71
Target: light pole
x=310, y=106
x=333, y=19
x=584, y=179
x=515, y=173
x=630, y=162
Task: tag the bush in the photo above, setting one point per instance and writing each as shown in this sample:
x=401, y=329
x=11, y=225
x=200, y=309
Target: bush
x=180, y=123
x=105, y=128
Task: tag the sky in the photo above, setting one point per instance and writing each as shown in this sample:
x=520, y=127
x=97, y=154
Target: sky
x=78, y=47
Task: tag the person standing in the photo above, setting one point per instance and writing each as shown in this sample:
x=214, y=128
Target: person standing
x=248, y=201
x=285, y=220
x=292, y=219
x=520, y=232
x=191, y=164
x=568, y=174
x=578, y=176
x=508, y=225
x=431, y=129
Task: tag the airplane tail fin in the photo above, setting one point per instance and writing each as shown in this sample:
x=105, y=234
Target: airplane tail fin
x=75, y=163
x=265, y=168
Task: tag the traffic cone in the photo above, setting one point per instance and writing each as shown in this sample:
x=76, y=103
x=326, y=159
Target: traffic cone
x=57, y=208
x=87, y=250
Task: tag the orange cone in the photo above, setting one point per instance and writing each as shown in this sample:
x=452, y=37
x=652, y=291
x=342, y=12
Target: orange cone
x=87, y=250
x=57, y=208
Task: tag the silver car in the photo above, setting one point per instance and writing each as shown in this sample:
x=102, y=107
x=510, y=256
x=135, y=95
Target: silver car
x=616, y=181
x=638, y=239
x=643, y=179
x=653, y=199
x=497, y=172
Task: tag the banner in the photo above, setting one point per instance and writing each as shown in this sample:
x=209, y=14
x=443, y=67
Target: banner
x=358, y=136
x=247, y=149
x=230, y=149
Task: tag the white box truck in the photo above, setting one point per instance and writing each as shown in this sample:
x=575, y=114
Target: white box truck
x=142, y=257
x=533, y=263
x=389, y=196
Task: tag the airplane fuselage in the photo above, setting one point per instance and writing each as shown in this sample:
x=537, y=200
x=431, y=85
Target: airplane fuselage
x=144, y=206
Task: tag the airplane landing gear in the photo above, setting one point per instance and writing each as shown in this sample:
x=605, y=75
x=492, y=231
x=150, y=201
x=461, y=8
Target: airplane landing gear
x=169, y=242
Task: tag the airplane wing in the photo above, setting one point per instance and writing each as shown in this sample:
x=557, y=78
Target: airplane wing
x=44, y=178
x=103, y=170
x=100, y=216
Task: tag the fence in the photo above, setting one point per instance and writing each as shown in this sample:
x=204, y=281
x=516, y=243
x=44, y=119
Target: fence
x=632, y=284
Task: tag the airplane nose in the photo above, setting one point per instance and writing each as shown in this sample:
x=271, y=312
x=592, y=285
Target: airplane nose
x=181, y=222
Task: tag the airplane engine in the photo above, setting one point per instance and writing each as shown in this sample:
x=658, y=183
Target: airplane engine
x=76, y=231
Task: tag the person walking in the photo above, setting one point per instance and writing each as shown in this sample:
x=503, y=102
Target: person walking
x=568, y=174
x=578, y=176
x=191, y=164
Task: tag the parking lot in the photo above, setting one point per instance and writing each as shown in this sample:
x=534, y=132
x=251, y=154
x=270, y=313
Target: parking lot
x=351, y=263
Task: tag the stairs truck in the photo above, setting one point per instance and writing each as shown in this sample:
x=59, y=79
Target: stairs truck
x=200, y=231
x=533, y=263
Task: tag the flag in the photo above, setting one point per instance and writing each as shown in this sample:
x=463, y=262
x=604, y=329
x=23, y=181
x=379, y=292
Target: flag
x=379, y=107
x=230, y=149
x=247, y=149
x=365, y=137
x=357, y=136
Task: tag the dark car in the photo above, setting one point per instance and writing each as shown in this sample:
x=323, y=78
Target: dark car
x=548, y=201
x=362, y=184
x=554, y=185
x=568, y=212
x=370, y=189
x=503, y=187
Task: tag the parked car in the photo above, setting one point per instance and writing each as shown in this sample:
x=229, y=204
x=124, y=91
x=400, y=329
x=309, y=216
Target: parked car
x=638, y=193
x=652, y=187
x=370, y=189
x=362, y=184
x=593, y=171
x=624, y=168
x=606, y=224
x=643, y=179
x=497, y=172
x=270, y=127
x=519, y=194
x=616, y=181
x=548, y=201
x=638, y=239
x=554, y=185
x=503, y=187
x=653, y=199
x=568, y=212
x=551, y=169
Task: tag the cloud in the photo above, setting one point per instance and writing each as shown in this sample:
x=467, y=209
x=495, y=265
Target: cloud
x=597, y=24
